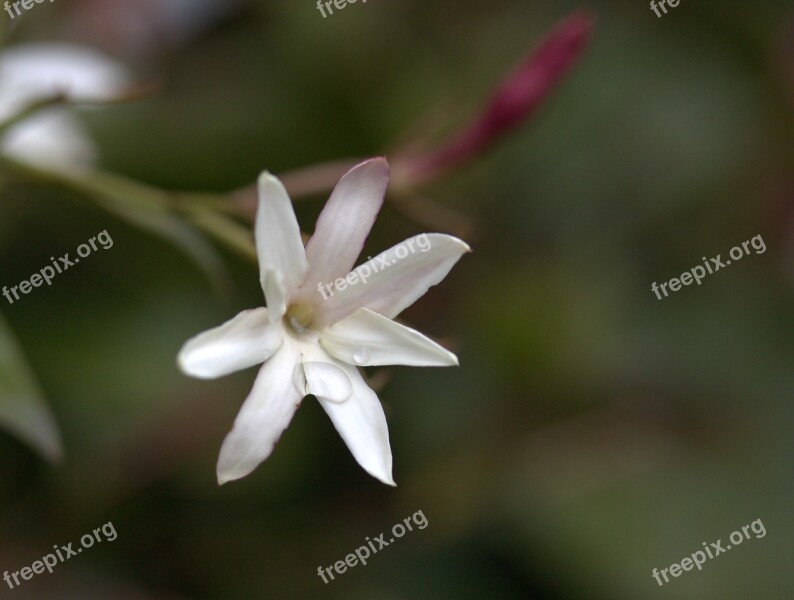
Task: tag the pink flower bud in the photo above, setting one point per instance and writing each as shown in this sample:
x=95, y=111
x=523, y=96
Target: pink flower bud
x=514, y=99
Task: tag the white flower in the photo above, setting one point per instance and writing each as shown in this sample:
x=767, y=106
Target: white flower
x=53, y=137
x=312, y=345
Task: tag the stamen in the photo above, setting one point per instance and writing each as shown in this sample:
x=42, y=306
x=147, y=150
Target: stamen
x=299, y=316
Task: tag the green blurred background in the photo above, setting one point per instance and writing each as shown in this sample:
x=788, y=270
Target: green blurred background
x=591, y=433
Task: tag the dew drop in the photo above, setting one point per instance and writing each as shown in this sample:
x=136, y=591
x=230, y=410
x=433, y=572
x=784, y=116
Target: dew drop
x=360, y=355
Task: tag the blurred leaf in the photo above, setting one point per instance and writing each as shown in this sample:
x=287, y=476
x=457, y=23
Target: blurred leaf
x=23, y=411
x=237, y=237
x=140, y=205
x=177, y=232
x=147, y=208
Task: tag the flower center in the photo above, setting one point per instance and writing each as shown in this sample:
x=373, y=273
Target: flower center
x=299, y=317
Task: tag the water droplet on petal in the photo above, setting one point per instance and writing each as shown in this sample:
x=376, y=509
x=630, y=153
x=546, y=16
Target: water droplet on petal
x=360, y=355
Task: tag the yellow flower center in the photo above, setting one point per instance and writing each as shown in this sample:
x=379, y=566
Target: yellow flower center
x=299, y=317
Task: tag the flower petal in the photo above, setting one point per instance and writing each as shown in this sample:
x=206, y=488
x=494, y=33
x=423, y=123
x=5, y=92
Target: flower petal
x=275, y=294
x=278, y=238
x=31, y=71
x=369, y=339
x=323, y=379
x=52, y=139
x=395, y=278
x=244, y=341
x=263, y=418
x=361, y=423
x=345, y=223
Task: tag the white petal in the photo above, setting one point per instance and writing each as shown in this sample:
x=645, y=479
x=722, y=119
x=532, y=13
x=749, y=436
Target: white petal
x=361, y=423
x=264, y=416
x=244, y=341
x=276, y=296
x=368, y=339
x=345, y=223
x=51, y=139
x=278, y=237
x=32, y=71
x=396, y=278
x=323, y=379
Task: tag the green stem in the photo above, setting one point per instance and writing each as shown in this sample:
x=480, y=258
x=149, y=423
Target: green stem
x=124, y=196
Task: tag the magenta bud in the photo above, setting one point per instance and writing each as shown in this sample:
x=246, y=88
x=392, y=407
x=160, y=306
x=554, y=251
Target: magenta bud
x=513, y=100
